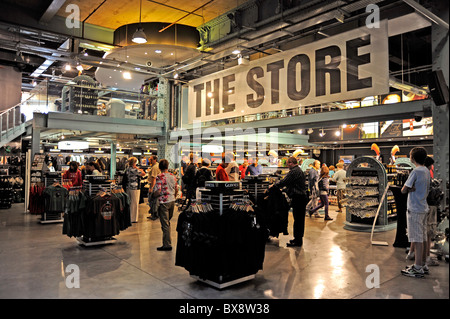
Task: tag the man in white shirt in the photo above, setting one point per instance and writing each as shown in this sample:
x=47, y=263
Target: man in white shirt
x=339, y=177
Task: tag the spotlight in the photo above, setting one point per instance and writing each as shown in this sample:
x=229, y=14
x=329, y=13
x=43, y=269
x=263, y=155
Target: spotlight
x=338, y=133
x=126, y=75
x=175, y=76
x=68, y=67
x=236, y=51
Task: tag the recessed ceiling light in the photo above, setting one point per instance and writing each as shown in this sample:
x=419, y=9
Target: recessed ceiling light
x=158, y=51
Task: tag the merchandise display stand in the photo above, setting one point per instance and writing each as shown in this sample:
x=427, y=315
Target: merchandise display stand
x=88, y=242
x=218, y=197
x=255, y=185
x=52, y=217
x=366, y=183
x=92, y=185
x=222, y=285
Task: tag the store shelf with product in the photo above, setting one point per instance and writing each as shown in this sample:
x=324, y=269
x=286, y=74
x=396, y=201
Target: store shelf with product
x=367, y=182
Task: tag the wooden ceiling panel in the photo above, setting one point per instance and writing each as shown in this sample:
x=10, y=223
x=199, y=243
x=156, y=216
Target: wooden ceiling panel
x=115, y=13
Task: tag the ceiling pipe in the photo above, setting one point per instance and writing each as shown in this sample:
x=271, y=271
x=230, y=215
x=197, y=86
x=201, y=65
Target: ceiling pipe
x=427, y=13
x=268, y=34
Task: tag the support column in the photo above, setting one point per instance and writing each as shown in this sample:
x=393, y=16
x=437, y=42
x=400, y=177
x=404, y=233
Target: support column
x=439, y=46
x=165, y=150
x=112, y=169
x=35, y=141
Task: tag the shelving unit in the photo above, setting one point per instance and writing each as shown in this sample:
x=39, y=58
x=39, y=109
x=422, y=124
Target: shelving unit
x=80, y=98
x=366, y=183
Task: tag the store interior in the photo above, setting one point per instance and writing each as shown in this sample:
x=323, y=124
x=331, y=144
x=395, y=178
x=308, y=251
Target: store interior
x=93, y=93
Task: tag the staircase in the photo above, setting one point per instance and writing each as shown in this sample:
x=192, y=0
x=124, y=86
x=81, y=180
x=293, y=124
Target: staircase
x=11, y=125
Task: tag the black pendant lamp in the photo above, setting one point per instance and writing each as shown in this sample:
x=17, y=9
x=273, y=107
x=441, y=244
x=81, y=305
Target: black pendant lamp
x=139, y=36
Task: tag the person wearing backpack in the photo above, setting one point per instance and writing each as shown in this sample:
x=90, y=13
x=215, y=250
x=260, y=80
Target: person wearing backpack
x=324, y=188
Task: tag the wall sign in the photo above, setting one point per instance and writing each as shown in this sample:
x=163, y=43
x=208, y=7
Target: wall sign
x=347, y=66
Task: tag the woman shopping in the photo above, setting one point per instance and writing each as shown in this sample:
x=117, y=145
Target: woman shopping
x=166, y=189
x=73, y=174
x=133, y=175
x=324, y=187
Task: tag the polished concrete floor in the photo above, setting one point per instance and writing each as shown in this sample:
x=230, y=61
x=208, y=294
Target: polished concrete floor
x=332, y=264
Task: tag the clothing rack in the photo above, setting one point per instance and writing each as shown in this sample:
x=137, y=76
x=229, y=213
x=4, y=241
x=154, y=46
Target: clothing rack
x=113, y=220
x=217, y=197
x=221, y=194
x=48, y=217
x=256, y=185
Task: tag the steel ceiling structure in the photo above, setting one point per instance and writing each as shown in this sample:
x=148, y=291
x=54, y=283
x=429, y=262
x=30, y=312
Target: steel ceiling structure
x=34, y=32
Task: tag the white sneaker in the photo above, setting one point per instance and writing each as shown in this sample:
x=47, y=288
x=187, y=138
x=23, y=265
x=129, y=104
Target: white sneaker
x=412, y=271
x=432, y=262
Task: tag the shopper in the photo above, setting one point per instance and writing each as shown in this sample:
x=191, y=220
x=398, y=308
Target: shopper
x=253, y=168
x=221, y=174
x=332, y=170
x=154, y=171
x=203, y=175
x=339, y=179
x=232, y=168
x=433, y=201
x=417, y=186
x=295, y=183
x=313, y=177
x=243, y=168
x=92, y=169
x=73, y=174
x=324, y=188
x=134, y=175
x=166, y=189
x=189, y=177
x=151, y=179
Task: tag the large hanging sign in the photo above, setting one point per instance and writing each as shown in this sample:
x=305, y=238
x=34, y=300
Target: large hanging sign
x=350, y=65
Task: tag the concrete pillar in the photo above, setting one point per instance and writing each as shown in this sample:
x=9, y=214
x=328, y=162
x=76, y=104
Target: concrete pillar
x=35, y=141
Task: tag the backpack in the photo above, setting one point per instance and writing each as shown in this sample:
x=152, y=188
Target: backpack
x=435, y=194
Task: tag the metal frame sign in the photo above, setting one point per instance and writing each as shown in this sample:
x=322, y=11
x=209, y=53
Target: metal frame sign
x=346, y=66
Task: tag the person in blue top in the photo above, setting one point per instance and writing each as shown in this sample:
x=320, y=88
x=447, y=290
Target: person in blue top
x=253, y=168
x=417, y=187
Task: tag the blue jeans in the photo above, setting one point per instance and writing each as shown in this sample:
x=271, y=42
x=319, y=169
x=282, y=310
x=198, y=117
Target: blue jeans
x=323, y=202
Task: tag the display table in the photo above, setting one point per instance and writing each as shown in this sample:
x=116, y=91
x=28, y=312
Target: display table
x=401, y=239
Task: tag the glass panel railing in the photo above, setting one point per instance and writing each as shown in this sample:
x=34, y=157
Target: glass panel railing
x=84, y=96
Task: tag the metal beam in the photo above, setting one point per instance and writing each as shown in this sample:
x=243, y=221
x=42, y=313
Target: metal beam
x=68, y=121
x=378, y=113
x=52, y=9
x=427, y=13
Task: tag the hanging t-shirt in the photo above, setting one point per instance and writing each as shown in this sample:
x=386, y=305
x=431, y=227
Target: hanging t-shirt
x=56, y=197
